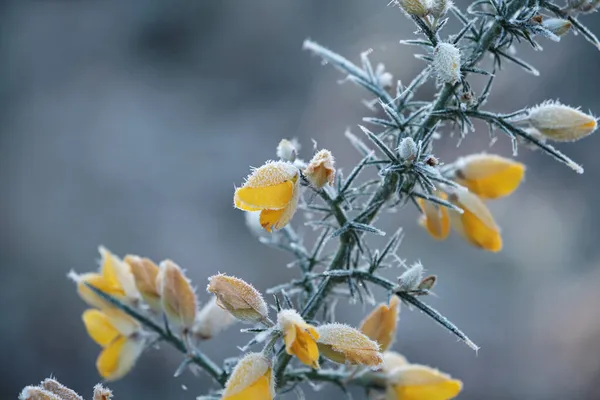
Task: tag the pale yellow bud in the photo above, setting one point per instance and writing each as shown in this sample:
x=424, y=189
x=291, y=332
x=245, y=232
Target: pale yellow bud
x=287, y=150
x=418, y=8
x=561, y=123
x=178, y=299
x=346, y=345
x=60, y=390
x=239, y=298
x=211, y=320
x=251, y=379
x=380, y=325
x=37, y=393
x=392, y=360
x=321, y=169
x=145, y=273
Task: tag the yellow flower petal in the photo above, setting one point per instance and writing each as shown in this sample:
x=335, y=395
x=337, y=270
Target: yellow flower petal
x=476, y=224
x=299, y=337
x=380, y=325
x=489, y=176
x=267, y=197
x=99, y=327
x=144, y=272
x=419, y=382
x=177, y=296
x=435, y=218
x=119, y=357
x=276, y=219
x=251, y=379
x=98, y=281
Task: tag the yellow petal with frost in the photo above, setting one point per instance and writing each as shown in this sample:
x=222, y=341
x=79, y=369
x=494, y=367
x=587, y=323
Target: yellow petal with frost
x=97, y=281
x=119, y=357
x=99, y=327
x=259, y=390
x=419, y=382
x=476, y=224
x=380, y=325
x=266, y=197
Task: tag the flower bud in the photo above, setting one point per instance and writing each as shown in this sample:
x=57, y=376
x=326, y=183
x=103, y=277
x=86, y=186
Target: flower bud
x=59, y=390
x=287, y=150
x=177, y=296
x=385, y=79
x=37, y=393
x=418, y=8
x=561, y=123
x=557, y=26
x=251, y=379
x=145, y=273
x=380, y=325
x=439, y=8
x=446, y=63
x=239, y=298
x=392, y=360
x=346, y=345
x=211, y=320
x=410, y=279
x=102, y=393
x=321, y=169
x=408, y=149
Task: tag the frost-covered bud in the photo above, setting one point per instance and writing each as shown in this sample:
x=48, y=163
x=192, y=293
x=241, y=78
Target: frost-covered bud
x=239, y=298
x=446, y=63
x=37, y=393
x=439, y=8
x=177, y=296
x=102, y=393
x=408, y=149
x=321, y=169
x=287, y=150
x=384, y=78
x=60, y=390
x=410, y=279
x=418, y=8
x=561, y=123
x=211, y=320
x=557, y=26
x=144, y=274
x=346, y=345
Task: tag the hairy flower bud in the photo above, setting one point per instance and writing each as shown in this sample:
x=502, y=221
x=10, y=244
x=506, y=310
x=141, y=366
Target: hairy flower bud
x=37, y=393
x=145, y=273
x=410, y=279
x=211, y=320
x=239, y=298
x=346, y=345
x=102, y=393
x=287, y=150
x=321, y=169
x=439, y=8
x=408, y=149
x=557, y=26
x=418, y=8
x=59, y=390
x=446, y=63
x=177, y=296
x=561, y=123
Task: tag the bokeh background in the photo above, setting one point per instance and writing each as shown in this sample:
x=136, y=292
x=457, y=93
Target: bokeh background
x=128, y=123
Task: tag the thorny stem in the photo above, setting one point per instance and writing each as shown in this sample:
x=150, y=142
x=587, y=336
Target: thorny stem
x=195, y=356
x=372, y=380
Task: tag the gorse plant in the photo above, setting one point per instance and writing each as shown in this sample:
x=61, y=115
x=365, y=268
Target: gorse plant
x=296, y=339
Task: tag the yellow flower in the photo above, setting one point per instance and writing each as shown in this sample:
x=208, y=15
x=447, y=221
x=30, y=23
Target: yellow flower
x=299, y=337
x=321, y=169
x=120, y=337
x=488, y=175
x=144, y=274
x=435, y=218
x=419, y=382
x=346, y=345
x=476, y=224
x=380, y=325
x=272, y=189
x=239, y=298
x=177, y=296
x=251, y=379
x=114, y=278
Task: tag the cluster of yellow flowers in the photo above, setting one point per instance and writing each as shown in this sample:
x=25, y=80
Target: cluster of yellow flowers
x=253, y=379
x=155, y=290
x=486, y=176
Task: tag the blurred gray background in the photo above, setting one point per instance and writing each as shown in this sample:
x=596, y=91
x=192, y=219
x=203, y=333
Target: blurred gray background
x=128, y=123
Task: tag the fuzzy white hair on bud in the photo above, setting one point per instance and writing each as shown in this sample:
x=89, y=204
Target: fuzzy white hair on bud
x=446, y=63
x=411, y=278
x=408, y=149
